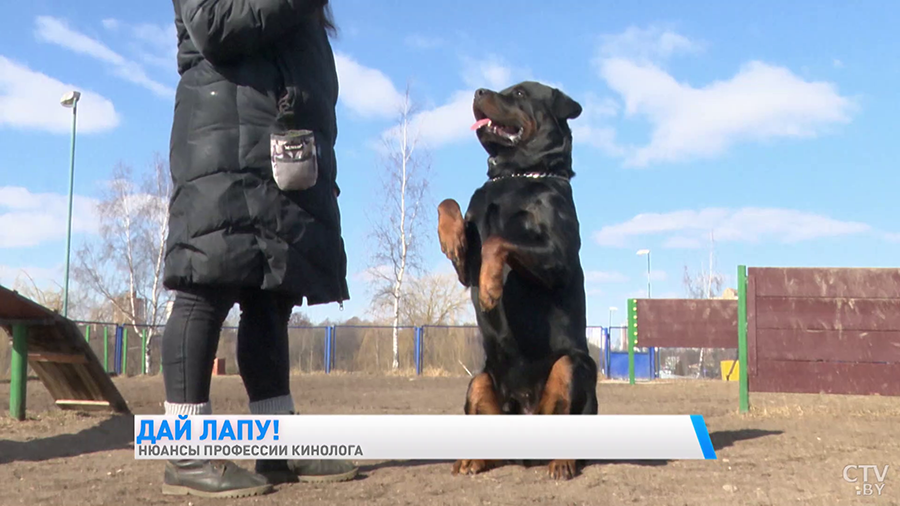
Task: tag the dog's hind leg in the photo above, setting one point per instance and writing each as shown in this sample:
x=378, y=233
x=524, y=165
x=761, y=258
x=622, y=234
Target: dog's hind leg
x=569, y=391
x=481, y=399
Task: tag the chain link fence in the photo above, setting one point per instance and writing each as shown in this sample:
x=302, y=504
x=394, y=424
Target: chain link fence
x=427, y=350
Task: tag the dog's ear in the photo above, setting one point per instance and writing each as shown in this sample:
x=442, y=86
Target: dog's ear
x=564, y=107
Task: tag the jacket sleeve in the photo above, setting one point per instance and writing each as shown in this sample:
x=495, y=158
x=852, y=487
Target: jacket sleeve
x=224, y=30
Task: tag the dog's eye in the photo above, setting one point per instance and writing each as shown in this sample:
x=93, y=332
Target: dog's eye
x=520, y=93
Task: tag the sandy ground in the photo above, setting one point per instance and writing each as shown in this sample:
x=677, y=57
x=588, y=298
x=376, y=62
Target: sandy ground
x=791, y=449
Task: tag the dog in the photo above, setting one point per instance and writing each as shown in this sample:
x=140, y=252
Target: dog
x=517, y=249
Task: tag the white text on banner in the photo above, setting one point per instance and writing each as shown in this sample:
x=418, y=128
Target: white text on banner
x=423, y=437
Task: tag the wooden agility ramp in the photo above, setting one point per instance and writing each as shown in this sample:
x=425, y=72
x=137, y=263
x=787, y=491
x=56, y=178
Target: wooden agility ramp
x=57, y=352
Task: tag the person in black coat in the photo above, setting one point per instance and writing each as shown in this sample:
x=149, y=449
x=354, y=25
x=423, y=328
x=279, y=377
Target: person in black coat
x=254, y=216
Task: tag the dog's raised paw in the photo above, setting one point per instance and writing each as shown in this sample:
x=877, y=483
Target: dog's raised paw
x=470, y=467
x=489, y=295
x=562, y=469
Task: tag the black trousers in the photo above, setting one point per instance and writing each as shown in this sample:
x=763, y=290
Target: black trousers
x=191, y=338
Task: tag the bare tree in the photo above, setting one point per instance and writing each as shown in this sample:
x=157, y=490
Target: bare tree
x=437, y=299
x=430, y=299
x=125, y=266
x=396, y=230
x=51, y=297
x=299, y=319
x=706, y=284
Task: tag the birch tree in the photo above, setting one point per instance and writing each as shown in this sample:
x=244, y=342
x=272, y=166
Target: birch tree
x=705, y=284
x=125, y=265
x=397, y=227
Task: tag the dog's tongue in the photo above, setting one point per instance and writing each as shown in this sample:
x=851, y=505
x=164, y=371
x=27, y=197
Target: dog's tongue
x=480, y=123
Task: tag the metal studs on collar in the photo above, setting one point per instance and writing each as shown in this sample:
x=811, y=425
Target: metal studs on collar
x=530, y=175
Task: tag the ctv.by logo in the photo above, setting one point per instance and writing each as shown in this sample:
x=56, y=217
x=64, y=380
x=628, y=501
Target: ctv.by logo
x=867, y=488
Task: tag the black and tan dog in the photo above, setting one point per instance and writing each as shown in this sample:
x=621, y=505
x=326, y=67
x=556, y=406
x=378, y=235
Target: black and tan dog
x=517, y=248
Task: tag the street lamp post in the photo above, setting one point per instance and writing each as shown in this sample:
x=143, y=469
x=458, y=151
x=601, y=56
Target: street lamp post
x=611, y=311
x=646, y=252
x=70, y=99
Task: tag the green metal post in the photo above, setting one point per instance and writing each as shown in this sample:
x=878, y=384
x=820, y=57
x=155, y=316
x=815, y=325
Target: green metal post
x=87, y=333
x=18, y=372
x=71, y=198
x=125, y=351
x=143, y=351
x=632, y=337
x=105, y=348
x=742, y=339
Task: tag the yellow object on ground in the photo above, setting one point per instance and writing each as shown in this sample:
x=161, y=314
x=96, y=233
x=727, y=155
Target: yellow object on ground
x=729, y=374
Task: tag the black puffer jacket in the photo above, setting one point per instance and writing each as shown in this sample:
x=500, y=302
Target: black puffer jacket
x=245, y=65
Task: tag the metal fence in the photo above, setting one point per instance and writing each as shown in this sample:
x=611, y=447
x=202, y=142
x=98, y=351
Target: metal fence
x=126, y=350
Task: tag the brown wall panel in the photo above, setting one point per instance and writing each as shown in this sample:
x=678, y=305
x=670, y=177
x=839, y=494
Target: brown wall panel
x=687, y=323
x=826, y=377
x=827, y=314
x=826, y=282
x=828, y=345
x=751, y=326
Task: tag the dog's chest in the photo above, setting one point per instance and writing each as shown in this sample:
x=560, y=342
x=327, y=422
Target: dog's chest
x=499, y=206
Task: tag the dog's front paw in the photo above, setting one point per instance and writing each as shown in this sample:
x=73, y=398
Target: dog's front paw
x=489, y=294
x=452, y=235
x=562, y=469
x=490, y=282
x=472, y=466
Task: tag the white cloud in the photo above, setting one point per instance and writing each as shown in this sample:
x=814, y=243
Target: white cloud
x=599, y=137
x=111, y=24
x=419, y=41
x=446, y=123
x=604, y=277
x=449, y=122
x=155, y=45
x=28, y=219
x=370, y=93
x=838, y=64
x=30, y=100
x=366, y=91
x=648, y=44
x=681, y=242
x=761, y=102
x=491, y=72
x=57, y=31
x=748, y=224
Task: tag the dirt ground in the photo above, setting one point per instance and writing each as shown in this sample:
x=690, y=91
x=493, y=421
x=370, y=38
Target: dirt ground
x=791, y=449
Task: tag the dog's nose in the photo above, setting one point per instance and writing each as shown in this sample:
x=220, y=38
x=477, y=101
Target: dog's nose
x=480, y=92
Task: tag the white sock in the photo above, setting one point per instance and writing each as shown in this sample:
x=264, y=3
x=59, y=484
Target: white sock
x=188, y=409
x=282, y=405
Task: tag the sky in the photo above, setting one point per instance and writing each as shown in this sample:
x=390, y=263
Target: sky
x=768, y=126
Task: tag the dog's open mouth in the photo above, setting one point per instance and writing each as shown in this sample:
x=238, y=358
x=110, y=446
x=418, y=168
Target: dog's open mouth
x=509, y=133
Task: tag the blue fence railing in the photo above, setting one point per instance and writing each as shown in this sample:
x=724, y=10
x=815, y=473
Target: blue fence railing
x=430, y=349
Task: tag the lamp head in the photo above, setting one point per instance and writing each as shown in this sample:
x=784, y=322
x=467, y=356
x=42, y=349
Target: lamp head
x=70, y=98
x=643, y=252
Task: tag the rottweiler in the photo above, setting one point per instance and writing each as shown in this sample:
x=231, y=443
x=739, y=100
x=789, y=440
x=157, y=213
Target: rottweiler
x=517, y=249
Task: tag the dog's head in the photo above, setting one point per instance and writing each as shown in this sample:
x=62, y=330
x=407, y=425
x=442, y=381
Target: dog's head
x=526, y=125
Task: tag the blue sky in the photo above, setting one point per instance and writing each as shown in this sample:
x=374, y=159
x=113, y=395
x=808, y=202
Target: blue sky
x=771, y=125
